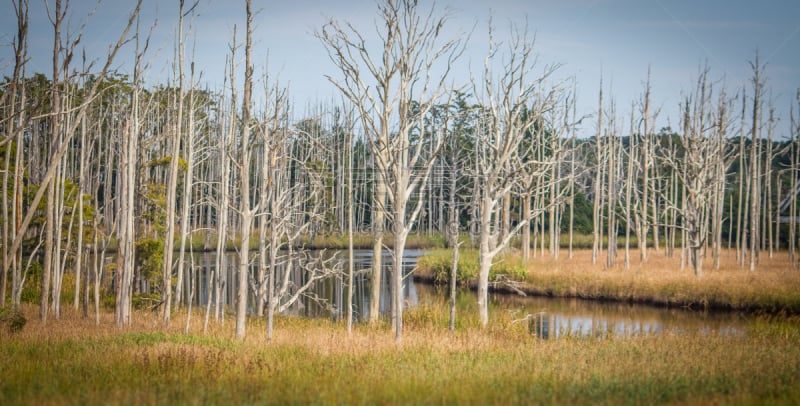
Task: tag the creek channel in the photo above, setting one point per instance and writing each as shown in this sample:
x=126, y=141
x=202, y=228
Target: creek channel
x=545, y=317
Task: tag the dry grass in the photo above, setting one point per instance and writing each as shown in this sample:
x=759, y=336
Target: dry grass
x=75, y=361
x=773, y=288
x=72, y=361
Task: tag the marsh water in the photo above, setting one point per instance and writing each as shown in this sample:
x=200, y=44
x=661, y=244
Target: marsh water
x=545, y=317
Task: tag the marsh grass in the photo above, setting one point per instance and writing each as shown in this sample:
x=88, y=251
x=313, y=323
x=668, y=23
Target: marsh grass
x=773, y=288
x=436, y=264
x=72, y=361
x=200, y=241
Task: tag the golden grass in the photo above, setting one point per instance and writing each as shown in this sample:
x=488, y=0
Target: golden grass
x=773, y=287
x=75, y=361
x=72, y=361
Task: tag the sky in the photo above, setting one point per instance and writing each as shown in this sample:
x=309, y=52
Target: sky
x=619, y=40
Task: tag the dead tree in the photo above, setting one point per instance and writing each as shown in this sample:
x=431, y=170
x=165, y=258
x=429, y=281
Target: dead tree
x=15, y=97
x=172, y=178
x=129, y=147
x=511, y=108
x=246, y=212
x=698, y=168
x=60, y=145
x=755, y=184
x=597, y=228
x=795, y=167
x=393, y=92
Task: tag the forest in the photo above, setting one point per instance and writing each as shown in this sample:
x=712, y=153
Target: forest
x=157, y=238
x=95, y=163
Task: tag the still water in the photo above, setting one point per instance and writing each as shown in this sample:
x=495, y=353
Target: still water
x=325, y=299
x=545, y=317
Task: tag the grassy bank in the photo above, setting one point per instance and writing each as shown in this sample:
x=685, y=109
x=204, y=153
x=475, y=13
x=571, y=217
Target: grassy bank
x=72, y=361
x=201, y=241
x=773, y=288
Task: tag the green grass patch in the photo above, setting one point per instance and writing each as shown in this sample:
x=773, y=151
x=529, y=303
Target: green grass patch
x=436, y=264
x=313, y=361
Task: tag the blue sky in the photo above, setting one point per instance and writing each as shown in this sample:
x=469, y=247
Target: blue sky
x=618, y=38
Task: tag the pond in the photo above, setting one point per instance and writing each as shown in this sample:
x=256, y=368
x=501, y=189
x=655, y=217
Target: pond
x=545, y=317
x=326, y=298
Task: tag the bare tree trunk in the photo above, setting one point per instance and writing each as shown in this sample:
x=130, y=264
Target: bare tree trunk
x=500, y=149
x=795, y=166
x=125, y=253
x=410, y=49
x=263, y=242
x=224, y=198
x=188, y=184
x=754, y=180
x=128, y=187
x=453, y=235
x=49, y=210
x=400, y=233
x=768, y=179
x=552, y=212
x=453, y=281
x=172, y=184
x=190, y=296
x=720, y=165
x=98, y=271
x=526, y=231
x=699, y=168
x=15, y=132
x=14, y=256
x=246, y=212
x=378, y=210
x=81, y=193
x=55, y=132
x=674, y=216
x=611, y=141
x=573, y=151
x=779, y=190
x=276, y=227
x=350, y=258
x=505, y=215
x=485, y=260
x=211, y=284
x=6, y=222
x=628, y=192
x=655, y=183
x=645, y=174
x=741, y=212
x=596, y=225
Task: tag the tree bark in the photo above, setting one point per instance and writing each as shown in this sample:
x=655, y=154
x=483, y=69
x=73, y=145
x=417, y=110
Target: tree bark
x=245, y=211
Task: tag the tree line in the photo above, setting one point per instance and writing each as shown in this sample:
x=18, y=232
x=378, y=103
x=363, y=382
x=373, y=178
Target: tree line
x=96, y=161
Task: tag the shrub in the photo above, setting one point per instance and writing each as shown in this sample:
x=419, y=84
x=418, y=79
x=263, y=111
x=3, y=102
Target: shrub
x=150, y=258
x=437, y=264
x=143, y=301
x=12, y=318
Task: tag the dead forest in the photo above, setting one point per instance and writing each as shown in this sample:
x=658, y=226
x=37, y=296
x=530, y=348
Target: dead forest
x=96, y=163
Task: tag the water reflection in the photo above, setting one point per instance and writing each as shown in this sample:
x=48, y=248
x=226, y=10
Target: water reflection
x=545, y=317
x=557, y=317
x=326, y=298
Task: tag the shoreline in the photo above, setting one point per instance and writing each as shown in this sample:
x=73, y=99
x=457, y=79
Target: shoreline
x=767, y=292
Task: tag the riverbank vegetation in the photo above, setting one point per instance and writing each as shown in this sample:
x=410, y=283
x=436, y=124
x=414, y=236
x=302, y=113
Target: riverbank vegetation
x=664, y=281
x=317, y=361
